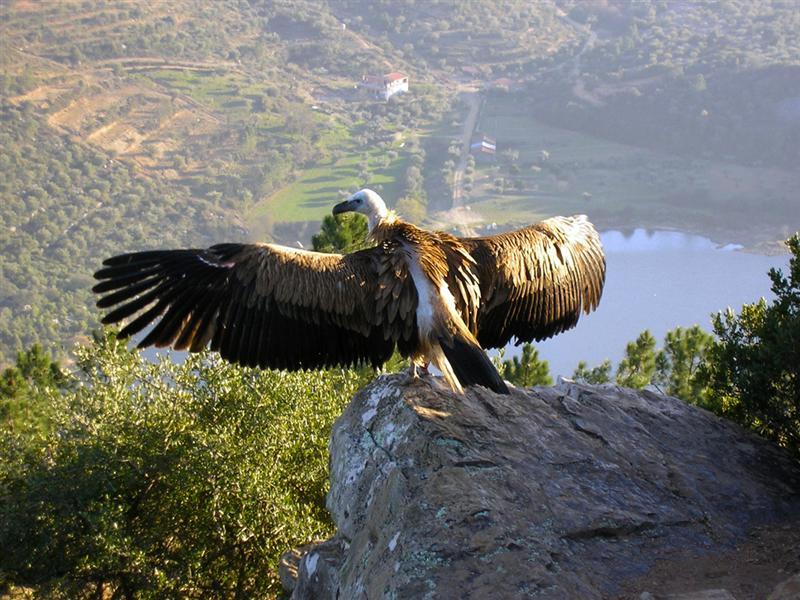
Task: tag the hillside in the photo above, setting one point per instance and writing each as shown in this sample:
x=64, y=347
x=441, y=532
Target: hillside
x=134, y=125
x=65, y=205
x=723, y=79
x=207, y=97
x=670, y=115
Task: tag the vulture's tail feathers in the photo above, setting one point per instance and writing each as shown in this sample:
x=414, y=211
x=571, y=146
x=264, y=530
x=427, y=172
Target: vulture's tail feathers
x=471, y=365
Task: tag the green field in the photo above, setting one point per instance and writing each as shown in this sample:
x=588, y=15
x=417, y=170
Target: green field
x=617, y=185
x=316, y=190
x=206, y=88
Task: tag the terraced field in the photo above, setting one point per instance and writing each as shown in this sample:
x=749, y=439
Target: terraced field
x=241, y=117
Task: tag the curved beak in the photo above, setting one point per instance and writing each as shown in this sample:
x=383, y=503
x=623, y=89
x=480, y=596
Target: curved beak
x=343, y=207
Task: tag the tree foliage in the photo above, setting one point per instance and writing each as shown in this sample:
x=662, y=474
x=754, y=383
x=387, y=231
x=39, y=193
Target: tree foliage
x=596, y=375
x=638, y=366
x=167, y=480
x=674, y=368
x=341, y=233
x=21, y=407
x=34, y=367
x=678, y=363
x=753, y=367
x=525, y=370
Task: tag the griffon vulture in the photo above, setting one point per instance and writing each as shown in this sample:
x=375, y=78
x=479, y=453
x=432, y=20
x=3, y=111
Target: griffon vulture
x=433, y=296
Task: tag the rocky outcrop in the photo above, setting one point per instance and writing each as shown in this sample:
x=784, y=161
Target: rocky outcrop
x=572, y=491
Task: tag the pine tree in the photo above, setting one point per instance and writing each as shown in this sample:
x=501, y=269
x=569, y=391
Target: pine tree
x=596, y=375
x=21, y=407
x=637, y=368
x=678, y=363
x=341, y=233
x=753, y=369
x=526, y=370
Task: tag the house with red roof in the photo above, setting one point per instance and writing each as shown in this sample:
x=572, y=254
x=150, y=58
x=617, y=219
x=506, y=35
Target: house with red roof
x=385, y=86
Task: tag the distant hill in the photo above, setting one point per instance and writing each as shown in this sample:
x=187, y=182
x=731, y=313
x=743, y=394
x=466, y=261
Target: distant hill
x=723, y=79
x=132, y=125
x=140, y=124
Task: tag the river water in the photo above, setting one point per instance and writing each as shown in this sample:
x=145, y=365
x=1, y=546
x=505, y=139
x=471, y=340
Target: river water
x=658, y=280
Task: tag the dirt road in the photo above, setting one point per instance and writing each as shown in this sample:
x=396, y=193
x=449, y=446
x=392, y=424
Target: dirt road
x=473, y=99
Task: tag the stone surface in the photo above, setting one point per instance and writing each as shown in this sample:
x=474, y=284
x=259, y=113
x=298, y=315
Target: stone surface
x=700, y=595
x=787, y=590
x=566, y=492
x=318, y=570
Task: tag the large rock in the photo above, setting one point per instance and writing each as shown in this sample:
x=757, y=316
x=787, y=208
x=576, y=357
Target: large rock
x=566, y=492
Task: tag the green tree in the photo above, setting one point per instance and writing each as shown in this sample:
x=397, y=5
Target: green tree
x=678, y=363
x=596, y=375
x=525, y=370
x=167, y=480
x=341, y=233
x=21, y=407
x=638, y=366
x=753, y=368
x=411, y=209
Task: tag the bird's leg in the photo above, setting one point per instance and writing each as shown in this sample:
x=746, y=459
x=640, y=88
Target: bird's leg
x=412, y=371
x=418, y=369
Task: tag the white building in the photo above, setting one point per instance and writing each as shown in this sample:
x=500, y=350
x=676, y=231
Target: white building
x=385, y=86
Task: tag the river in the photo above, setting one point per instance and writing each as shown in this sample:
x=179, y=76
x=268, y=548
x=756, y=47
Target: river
x=658, y=280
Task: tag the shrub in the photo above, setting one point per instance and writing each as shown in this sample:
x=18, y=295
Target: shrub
x=753, y=368
x=168, y=480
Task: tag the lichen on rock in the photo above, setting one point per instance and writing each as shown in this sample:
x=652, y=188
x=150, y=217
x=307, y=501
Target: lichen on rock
x=572, y=491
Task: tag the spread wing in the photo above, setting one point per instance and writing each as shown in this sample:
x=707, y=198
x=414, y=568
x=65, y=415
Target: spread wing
x=264, y=305
x=536, y=281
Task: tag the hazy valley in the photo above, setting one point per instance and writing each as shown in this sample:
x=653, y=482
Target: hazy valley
x=130, y=125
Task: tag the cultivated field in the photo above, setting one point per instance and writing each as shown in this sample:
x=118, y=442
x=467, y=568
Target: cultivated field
x=619, y=185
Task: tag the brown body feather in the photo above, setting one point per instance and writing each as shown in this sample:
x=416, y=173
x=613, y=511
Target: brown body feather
x=273, y=306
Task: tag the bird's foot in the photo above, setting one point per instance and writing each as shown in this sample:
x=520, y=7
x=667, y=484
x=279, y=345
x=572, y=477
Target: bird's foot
x=416, y=371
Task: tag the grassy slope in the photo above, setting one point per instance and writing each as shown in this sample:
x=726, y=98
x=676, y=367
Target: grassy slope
x=313, y=193
x=629, y=186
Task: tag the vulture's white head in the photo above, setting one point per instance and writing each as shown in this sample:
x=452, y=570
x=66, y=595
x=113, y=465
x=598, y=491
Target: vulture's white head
x=367, y=203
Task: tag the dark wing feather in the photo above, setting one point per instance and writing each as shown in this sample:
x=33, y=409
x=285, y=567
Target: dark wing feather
x=263, y=305
x=536, y=281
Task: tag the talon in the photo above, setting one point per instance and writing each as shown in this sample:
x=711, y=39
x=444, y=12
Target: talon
x=415, y=371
